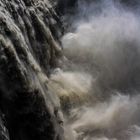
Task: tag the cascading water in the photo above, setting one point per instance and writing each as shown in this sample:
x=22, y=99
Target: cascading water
x=96, y=83
x=100, y=82
x=29, y=45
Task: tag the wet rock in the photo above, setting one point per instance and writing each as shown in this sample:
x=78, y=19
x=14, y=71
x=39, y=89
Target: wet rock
x=4, y=135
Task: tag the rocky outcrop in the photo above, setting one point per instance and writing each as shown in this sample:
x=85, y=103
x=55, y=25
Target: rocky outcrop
x=29, y=49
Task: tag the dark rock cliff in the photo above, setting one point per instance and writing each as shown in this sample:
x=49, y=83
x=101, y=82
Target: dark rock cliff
x=70, y=6
x=29, y=49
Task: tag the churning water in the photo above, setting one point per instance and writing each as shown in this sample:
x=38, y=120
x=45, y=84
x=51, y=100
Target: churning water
x=99, y=86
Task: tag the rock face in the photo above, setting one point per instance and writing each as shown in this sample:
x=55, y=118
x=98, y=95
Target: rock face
x=69, y=6
x=29, y=49
x=63, y=6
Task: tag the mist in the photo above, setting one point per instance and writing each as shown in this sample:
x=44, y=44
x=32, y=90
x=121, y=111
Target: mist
x=99, y=83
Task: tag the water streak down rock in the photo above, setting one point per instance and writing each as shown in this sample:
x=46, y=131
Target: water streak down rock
x=29, y=49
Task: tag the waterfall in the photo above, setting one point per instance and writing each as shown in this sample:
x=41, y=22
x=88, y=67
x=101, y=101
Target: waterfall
x=30, y=48
x=69, y=70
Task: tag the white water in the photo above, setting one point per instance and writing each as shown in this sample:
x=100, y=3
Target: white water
x=101, y=80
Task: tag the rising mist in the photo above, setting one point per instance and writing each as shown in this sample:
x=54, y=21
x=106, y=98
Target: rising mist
x=100, y=82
